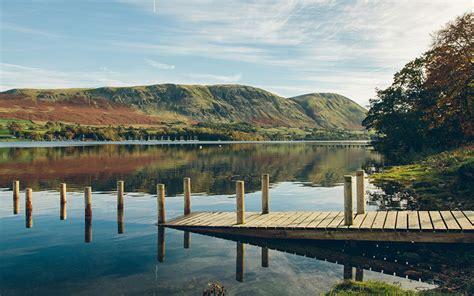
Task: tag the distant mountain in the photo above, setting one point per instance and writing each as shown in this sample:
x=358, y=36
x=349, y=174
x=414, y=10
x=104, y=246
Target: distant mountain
x=188, y=104
x=330, y=110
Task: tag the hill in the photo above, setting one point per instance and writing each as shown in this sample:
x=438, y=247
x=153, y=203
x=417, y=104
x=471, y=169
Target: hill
x=330, y=110
x=186, y=104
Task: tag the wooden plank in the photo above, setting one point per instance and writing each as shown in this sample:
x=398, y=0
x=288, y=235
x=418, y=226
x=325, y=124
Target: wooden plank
x=215, y=218
x=369, y=219
x=279, y=220
x=449, y=220
x=315, y=223
x=202, y=219
x=425, y=220
x=259, y=221
x=292, y=219
x=328, y=220
x=462, y=221
x=402, y=220
x=181, y=218
x=469, y=215
x=413, y=221
x=313, y=217
x=437, y=220
x=189, y=219
x=337, y=221
x=277, y=217
x=298, y=220
x=227, y=220
x=379, y=220
x=358, y=220
x=390, y=221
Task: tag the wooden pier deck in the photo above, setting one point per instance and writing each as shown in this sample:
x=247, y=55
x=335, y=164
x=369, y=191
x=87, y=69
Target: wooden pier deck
x=404, y=226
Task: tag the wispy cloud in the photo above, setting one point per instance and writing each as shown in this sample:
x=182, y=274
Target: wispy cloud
x=211, y=78
x=161, y=66
x=29, y=31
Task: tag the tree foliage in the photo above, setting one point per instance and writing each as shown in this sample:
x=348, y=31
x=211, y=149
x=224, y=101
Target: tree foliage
x=429, y=105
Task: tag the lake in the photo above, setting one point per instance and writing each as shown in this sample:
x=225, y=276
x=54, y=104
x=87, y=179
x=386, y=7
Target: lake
x=132, y=256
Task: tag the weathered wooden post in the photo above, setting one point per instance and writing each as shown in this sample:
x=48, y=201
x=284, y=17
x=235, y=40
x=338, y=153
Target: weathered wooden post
x=120, y=192
x=16, y=197
x=187, y=195
x=360, y=191
x=29, y=207
x=161, y=204
x=265, y=193
x=347, y=275
x=88, y=214
x=187, y=239
x=239, y=189
x=264, y=257
x=348, y=207
x=161, y=244
x=239, y=270
x=62, y=202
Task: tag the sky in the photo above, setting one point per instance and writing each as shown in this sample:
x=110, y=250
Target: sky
x=289, y=47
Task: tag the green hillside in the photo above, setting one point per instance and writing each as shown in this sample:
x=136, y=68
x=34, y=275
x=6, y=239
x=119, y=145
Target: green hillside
x=330, y=110
x=190, y=104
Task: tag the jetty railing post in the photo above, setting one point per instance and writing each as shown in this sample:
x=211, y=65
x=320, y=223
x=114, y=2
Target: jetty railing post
x=16, y=197
x=161, y=203
x=265, y=193
x=187, y=196
x=348, y=207
x=29, y=207
x=360, y=192
x=88, y=214
x=120, y=193
x=62, y=202
x=240, y=191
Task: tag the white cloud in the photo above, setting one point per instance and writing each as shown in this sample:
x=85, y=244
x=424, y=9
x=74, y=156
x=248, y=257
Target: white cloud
x=211, y=78
x=30, y=31
x=159, y=65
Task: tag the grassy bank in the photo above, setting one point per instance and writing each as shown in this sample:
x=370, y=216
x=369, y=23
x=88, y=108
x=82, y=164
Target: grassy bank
x=349, y=288
x=440, y=181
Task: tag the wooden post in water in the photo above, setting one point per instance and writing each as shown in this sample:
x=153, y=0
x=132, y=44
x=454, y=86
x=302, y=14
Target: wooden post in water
x=16, y=197
x=120, y=193
x=239, y=266
x=265, y=193
x=161, y=203
x=62, y=202
x=88, y=214
x=348, y=207
x=359, y=276
x=360, y=192
x=29, y=207
x=187, y=196
x=347, y=275
x=239, y=189
x=264, y=257
x=187, y=239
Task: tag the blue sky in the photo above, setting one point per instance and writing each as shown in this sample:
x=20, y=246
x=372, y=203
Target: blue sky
x=289, y=47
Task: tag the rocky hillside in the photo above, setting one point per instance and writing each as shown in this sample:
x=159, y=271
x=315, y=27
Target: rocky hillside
x=170, y=103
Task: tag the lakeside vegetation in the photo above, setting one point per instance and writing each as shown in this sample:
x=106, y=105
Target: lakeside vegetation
x=54, y=131
x=424, y=124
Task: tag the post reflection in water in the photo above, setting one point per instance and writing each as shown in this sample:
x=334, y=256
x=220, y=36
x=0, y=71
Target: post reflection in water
x=264, y=257
x=88, y=230
x=120, y=221
x=63, y=202
x=239, y=268
x=29, y=208
x=359, y=276
x=161, y=244
x=186, y=239
x=88, y=214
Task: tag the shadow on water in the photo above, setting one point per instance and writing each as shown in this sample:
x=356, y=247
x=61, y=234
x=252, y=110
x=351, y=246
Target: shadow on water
x=425, y=262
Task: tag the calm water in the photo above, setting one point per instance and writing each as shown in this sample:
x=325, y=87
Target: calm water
x=137, y=258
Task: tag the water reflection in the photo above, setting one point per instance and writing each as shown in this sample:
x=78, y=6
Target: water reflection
x=161, y=244
x=212, y=168
x=29, y=208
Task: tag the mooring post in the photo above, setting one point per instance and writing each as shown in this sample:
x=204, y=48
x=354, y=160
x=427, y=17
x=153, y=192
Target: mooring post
x=161, y=204
x=88, y=214
x=360, y=191
x=187, y=239
x=62, y=201
x=239, y=266
x=348, y=207
x=264, y=257
x=265, y=193
x=16, y=197
x=187, y=196
x=29, y=207
x=239, y=189
x=120, y=193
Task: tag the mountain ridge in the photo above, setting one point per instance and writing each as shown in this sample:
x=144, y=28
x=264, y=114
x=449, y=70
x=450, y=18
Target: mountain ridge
x=189, y=104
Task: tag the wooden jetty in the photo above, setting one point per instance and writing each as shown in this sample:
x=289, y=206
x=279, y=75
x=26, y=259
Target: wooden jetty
x=399, y=226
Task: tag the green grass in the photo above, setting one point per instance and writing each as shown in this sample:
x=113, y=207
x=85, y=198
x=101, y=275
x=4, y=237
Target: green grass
x=443, y=180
